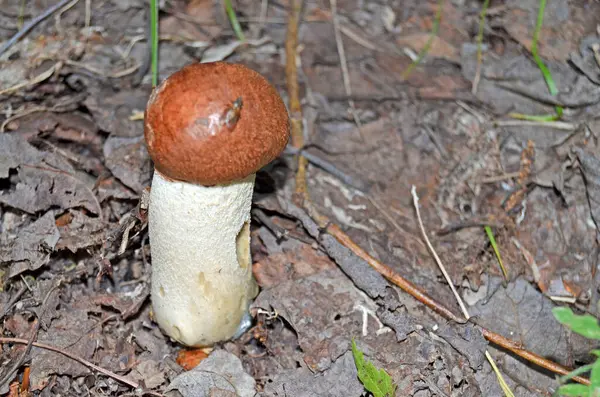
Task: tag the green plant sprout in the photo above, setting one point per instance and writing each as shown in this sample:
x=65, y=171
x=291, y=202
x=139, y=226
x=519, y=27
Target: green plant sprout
x=490, y=234
x=425, y=49
x=587, y=326
x=545, y=72
x=154, y=39
x=482, y=15
x=376, y=381
x=237, y=29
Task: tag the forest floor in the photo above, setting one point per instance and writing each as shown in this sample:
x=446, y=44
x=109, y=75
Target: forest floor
x=75, y=263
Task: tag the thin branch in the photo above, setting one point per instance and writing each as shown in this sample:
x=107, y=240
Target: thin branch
x=475, y=85
x=291, y=74
x=413, y=192
x=31, y=24
x=411, y=289
x=325, y=224
x=8, y=375
x=83, y=361
x=391, y=275
x=344, y=65
x=13, y=300
x=329, y=167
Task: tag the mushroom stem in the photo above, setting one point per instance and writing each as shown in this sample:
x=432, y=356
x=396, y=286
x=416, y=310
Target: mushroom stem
x=202, y=281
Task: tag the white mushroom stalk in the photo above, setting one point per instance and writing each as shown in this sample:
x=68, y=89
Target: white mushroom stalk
x=209, y=128
x=202, y=280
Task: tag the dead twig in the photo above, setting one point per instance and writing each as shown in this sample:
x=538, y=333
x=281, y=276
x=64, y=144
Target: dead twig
x=113, y=74
x=58, y=16
x=498, y=178
x=37, y=79
x=325, y=224
x=31, y=24
x=558, y=125
x=477, y=77
x=64, y=106
x=413, y=192
x=279, y=232
x=12, y=371
x=344, y=65
x=442, y=268
x=88, y=364
x=8, y=375
x=391, y=275
x=291, y=74
x=13, y=300
x=330, y=168
x=411, y=289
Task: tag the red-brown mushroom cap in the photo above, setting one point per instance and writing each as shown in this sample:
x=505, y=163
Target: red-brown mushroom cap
x=213, y=123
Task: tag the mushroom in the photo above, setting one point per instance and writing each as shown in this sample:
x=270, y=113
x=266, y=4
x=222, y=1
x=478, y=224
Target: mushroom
x=209, y=128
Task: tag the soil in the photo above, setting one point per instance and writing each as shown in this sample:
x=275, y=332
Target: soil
x=75, y=258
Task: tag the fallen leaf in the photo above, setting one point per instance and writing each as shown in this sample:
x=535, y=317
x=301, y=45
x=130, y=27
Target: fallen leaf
x=301, y=262
x=468, y=340
x=220, y=52
x=64, y=333
x=340, y=380
x=43, y=179
x=112, y=111
x=590, y=165
x=126, y=303
x=150, y=372
x=15, y=150
x=127, y=158
x=523, y=311
x=32, y=246
x=112, y=188
x=78, y=231
x=220, y=371
x=201, y=11
x=323, y=310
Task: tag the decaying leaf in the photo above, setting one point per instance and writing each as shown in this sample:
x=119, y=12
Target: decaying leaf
x=325, y=310
x=221, y=371
x=66, y=333
x=590, y=165
x=79, y=231
x=150, y=372
x=340, y=380
x=43, y=179
x=128, y=160
x=32, y=246
x=112, y=111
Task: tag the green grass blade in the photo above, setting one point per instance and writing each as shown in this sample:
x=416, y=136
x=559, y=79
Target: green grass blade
x=595, y=379
x=530, y=117
x=490, y=234
x=503, y=385
x=237, y=29
x=576, y=372
x=425, y=49
x=154, y=39
x=534, y=51
x=544, y=69
x=486, y=4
